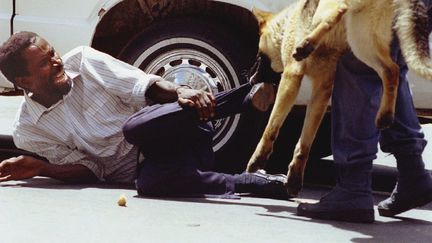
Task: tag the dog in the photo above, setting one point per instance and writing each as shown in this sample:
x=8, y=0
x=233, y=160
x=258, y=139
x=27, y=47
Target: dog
x=308, y=37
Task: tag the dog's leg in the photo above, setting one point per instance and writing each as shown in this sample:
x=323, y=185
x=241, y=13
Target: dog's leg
x=389, y=74
x=375, y=53
x=321, y=92
x=388, y=71
x=327, y=15
x=287, y=92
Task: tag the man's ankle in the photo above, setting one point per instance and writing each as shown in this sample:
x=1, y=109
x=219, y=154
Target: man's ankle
x=410, y=163
x=413, y=182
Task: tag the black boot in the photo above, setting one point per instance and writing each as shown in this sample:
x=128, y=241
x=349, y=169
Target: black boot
x=414, y=187
x=261, y=184
x=351, y=200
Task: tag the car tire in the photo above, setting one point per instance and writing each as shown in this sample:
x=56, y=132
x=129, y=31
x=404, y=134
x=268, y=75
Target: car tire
x=213, y=57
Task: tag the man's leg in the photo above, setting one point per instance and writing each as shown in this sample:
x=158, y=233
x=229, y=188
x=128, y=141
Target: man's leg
x=188, y=173
x=178, y=148
x=179, y=155
x=183, y=178
x=355, y=102
x=405, y=140
x=159, y=123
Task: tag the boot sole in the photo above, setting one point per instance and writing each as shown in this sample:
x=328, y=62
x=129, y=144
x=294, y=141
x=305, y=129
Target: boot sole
x=355, y=216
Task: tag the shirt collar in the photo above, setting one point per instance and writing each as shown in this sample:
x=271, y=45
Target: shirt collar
x=36, y=110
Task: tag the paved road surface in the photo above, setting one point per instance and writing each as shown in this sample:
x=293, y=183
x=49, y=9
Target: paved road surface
x=45, y=210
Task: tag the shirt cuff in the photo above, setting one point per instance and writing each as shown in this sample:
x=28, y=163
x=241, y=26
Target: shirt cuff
x=141, y=87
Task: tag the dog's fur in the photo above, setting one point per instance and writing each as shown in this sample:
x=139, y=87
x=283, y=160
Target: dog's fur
x=308, y=38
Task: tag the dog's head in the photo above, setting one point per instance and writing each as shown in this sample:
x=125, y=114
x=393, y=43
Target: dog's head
x=261, y=71
x=268, y=64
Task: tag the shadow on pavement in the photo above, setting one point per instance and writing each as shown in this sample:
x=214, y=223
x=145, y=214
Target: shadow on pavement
x=274, y=207
x=396, y=229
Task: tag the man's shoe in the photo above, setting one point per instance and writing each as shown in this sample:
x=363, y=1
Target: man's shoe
x=273, y=187
x=403, y=201
x=261, y=96
x=262, y=185
x=341, y=205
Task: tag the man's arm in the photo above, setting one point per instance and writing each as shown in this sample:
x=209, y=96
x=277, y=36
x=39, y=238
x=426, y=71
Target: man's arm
x=166, y=92
x=133, y=86
x=163, y=92
x=26, y=167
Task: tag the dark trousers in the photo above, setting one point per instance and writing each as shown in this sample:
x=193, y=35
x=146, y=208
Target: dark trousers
x=356, y=97
x=177, y=147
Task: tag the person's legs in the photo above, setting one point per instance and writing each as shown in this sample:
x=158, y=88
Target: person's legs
x=162, y=122
x=405, y=140
x=183, y=178
x=178, y=151
x=355, y=102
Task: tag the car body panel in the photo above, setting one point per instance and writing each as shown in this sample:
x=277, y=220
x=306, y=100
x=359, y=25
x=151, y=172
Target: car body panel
x=48, y=19
x=67, y=24
x=6, y=11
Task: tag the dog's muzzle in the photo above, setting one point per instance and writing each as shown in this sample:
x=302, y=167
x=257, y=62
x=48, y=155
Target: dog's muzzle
x=261, y=71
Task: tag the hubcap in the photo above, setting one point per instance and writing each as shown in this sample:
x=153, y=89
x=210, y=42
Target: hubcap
x=196, y=69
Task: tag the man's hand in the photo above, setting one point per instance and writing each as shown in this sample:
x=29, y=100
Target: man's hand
x=21, y=167
x=203, y=101
x=165, y=92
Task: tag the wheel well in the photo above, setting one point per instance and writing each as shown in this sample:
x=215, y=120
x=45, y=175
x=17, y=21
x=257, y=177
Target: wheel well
x=122, y=22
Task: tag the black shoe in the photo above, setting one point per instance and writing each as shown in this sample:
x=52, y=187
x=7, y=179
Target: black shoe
x=262, y=185
x=261, y=96
x=340, y=205
x=403, y=201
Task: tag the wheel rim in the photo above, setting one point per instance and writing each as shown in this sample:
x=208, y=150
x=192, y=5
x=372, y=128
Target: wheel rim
x=187, y=61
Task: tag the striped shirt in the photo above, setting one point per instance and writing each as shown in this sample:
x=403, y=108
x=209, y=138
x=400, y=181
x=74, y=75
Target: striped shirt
x=85, y=126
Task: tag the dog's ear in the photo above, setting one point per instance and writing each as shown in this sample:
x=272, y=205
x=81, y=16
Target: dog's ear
x=261, y=16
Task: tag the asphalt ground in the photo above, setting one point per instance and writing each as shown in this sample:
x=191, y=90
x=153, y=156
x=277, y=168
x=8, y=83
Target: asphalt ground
x=46, y=210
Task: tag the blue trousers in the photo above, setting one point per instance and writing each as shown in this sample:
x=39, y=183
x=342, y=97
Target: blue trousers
x=178, y=147
x=355, y=101
x=356, y=97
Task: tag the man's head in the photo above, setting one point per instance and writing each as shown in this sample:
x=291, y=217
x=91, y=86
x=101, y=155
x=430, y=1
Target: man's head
x=29, y=61
x=12, y=64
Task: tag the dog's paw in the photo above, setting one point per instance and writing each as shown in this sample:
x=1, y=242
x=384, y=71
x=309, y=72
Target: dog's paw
x=294, y=185
x=385, y=120
x=303, y=50
x=255, y=165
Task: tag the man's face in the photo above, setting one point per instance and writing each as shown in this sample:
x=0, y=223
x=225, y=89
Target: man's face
x=46, y=73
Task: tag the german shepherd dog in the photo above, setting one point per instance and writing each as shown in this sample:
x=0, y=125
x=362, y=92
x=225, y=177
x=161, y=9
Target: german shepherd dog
x=308, y=38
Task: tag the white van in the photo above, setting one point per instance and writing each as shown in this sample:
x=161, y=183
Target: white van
x=204, y=43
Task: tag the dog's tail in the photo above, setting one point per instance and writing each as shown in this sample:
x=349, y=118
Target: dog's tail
x=411, y=25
